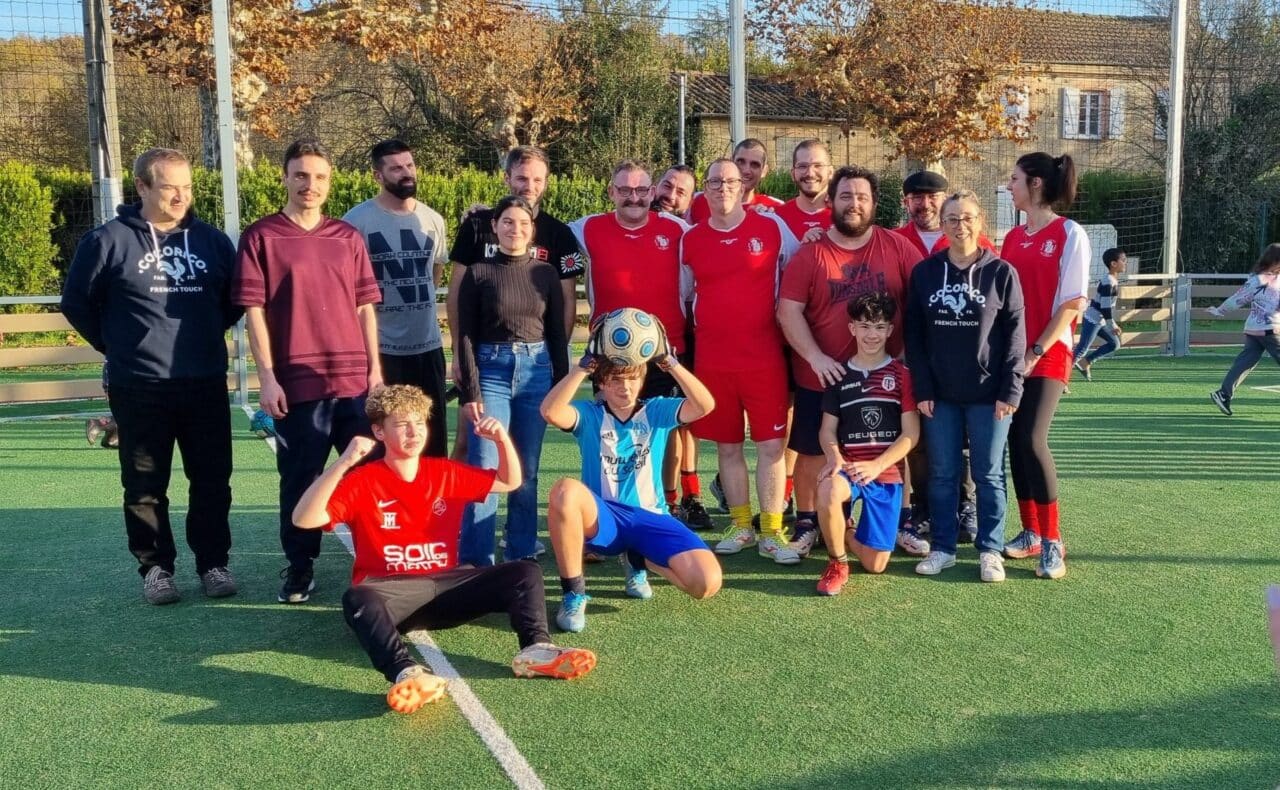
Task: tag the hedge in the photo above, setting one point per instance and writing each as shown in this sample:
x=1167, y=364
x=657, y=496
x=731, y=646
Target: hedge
x=27, y=250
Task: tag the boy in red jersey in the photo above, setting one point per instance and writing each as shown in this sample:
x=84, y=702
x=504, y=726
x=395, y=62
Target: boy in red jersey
x=405, y=515
x=634, y=261
x=732, y=263
x=869, y=423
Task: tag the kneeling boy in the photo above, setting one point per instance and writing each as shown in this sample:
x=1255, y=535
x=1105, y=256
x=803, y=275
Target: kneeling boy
x=405, y=514
x=869, y=423
x=618, y=506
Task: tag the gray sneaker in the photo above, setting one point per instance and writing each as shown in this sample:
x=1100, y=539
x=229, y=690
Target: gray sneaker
x=159, y=588
x=218, y=583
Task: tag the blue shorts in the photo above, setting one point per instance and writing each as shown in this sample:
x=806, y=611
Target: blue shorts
x=878, y=523
x=657, y=536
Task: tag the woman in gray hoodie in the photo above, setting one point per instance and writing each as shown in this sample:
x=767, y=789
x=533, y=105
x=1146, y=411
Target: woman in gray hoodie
x=965, y=337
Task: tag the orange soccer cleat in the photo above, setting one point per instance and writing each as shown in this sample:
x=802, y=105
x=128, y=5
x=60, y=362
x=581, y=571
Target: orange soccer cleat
x=414, y=688
x=546, y=660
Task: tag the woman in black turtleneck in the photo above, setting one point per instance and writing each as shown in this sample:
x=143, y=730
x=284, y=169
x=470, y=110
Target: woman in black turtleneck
x=511, y=322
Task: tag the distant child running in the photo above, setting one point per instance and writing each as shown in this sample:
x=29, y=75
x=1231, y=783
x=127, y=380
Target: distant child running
x=1261, y=294
x=405, y=514
x=1099, y=320
x=617, y=508
x=869, y=424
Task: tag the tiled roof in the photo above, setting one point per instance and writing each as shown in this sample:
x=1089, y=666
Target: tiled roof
x=1048, y=38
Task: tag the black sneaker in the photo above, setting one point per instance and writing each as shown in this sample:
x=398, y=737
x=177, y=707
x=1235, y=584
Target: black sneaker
x=695, y=515
x=968, y=518
x=718, y=492
x=1221, y=401
x=298, y=585
x=789, y=512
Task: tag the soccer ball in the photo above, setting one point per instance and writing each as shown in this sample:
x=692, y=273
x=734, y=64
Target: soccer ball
x=262, y=425
x=628, y=336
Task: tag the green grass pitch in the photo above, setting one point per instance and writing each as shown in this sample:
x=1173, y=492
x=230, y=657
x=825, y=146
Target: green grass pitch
x=1147, y=667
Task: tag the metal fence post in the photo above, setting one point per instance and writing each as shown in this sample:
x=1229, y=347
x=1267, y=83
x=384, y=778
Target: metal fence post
x=1181, y=335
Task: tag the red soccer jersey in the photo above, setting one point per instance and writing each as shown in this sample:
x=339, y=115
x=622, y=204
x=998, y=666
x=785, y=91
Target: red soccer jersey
x=406, y=527
x=734, y=281
x=825, y=278
x=800, y=221
x=635, y=268
x=869, y=405
x=309, y=283
x=699, y=211
x=912, y=234
x=1053, y=268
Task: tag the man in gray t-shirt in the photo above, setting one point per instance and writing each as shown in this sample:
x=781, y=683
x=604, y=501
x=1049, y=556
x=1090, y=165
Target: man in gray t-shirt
x=406, y=241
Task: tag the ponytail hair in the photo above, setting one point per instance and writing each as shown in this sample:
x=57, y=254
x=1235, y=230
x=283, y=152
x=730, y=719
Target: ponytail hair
x=1057, y=176
x=1268, y=260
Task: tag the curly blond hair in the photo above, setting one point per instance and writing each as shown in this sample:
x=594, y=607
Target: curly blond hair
x=397, y=399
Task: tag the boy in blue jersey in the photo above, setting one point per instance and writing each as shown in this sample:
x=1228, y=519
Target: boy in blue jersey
x=617, y=508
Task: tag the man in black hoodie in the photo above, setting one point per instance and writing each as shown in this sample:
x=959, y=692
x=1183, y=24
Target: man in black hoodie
x=151, y=290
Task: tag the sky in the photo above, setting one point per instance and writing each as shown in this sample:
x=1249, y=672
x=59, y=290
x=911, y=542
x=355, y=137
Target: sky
x=48, y=18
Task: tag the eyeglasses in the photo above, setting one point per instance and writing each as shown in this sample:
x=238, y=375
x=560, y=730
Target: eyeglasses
x=724, y=183
x=967, y=219
x=632, y=191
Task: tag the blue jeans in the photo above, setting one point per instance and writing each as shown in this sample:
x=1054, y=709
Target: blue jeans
x=945, y=433
x=514, y=378
x=1090, y=330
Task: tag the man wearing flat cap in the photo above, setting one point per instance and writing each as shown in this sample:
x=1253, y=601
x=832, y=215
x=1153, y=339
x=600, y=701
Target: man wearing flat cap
x=922, y=196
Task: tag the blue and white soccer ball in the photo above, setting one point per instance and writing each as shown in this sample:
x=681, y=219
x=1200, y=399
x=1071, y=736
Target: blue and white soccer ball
x=262, y=425
x=629, y=336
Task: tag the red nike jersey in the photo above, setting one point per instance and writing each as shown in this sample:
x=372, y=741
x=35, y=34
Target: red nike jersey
x=635, y=268
x=699, y=211
x=406, y=527
x=800, y=221
x=733, y=275
x=1053, y=268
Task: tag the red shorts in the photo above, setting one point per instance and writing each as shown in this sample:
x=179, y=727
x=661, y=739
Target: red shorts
x=761, y=393
x=1055, y=364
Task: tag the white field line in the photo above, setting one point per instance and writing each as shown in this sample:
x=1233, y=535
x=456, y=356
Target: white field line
x=495, y=739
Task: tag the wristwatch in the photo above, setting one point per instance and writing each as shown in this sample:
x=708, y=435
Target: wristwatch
x=1038, y=350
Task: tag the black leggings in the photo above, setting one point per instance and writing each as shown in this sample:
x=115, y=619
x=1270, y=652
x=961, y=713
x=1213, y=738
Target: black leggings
x=1035, y=477
x=379, y=610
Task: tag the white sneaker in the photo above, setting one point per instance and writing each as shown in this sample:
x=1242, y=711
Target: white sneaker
x=990, y=566
x=777, y=550
x=935, y=563
x=735, y=540
x=805, y=541
x=910, y=541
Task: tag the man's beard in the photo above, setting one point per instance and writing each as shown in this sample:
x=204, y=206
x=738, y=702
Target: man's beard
x=817, y=190
x=403, y=189
x=848, y=228
x=921, y=220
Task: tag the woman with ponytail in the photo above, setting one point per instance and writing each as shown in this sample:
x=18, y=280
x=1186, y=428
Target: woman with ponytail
x=1051, y=256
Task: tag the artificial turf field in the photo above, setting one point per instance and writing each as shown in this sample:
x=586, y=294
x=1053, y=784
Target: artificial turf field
x=1147, y=666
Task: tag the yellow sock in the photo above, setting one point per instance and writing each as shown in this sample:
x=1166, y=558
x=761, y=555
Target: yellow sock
x=740, y=515
x=771, y=524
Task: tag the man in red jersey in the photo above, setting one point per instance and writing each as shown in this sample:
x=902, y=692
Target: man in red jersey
x=752, y=161
x=404, y=513
x=634, y=261
x=309, y=293
x=808, y=211
x=922, y=197
x=674, y=192
x=854, y=257
x=732, y=261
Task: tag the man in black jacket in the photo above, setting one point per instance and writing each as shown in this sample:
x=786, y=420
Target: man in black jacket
x=151, y=290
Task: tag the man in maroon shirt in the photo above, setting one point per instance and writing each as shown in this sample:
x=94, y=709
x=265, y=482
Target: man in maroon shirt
x=307, y=286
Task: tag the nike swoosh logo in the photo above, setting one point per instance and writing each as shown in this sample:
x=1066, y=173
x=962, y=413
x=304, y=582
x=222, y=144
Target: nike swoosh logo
x=382, y=504
x=779, y=427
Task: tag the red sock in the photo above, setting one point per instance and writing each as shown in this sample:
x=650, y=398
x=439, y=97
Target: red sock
x=1048, y=515
x=671, y=495
x=1027, y=512
x=689, y=484
x=790, y=486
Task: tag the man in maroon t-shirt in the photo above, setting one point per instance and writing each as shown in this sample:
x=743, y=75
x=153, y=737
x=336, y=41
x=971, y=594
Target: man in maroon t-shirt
x=854, y=257
x=307, y=286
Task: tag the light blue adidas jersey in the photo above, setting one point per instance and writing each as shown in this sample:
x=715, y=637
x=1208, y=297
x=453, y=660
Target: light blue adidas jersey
x=622, y=461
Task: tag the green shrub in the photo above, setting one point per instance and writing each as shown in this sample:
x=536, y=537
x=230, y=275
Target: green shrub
x=27, y=250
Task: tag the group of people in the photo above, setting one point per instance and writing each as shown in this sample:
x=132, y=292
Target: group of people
x=862, y=363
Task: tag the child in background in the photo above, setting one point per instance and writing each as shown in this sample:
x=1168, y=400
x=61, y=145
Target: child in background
x=1261, y=294
x=1098, y=318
